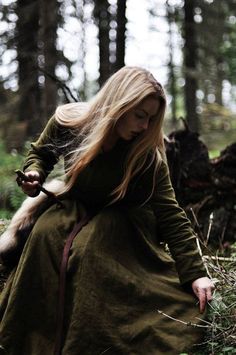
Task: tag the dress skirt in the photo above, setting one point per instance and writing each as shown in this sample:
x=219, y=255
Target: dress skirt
x=118, y=277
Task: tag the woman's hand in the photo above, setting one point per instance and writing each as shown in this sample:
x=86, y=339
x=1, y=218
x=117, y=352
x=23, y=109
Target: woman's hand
x=30, y=188
x=202, y=288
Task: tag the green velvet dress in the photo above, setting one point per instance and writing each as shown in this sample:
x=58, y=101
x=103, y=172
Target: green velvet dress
x=119, y=273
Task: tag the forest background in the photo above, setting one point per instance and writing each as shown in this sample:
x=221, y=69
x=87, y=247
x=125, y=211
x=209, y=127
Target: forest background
x=53, y=52
x=190, y=46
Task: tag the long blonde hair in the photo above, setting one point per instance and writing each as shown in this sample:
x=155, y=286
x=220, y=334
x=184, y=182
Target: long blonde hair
x=123, y=91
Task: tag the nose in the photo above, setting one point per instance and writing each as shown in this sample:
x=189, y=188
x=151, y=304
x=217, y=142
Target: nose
x=144, y=124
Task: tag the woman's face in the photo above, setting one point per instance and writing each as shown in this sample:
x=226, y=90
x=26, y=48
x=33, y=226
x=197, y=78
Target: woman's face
x=138, y=119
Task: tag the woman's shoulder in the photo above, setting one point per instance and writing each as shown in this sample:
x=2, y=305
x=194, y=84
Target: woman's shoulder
x=155, y=169
x=71, y=113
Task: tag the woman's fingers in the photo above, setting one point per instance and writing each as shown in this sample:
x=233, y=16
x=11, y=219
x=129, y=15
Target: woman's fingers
x=209, y=293
x=33, y=175
x=202, y=299
x=31, y=187
x=202, y=288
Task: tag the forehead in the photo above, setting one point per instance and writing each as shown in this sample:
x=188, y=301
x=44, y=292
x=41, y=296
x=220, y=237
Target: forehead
x=150, y=105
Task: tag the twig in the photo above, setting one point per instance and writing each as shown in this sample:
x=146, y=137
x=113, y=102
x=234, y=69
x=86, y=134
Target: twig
x=209, y=228
x=183, y=322
x=103, y=352
x=199, y=232
x=204, y=262
x=220, y=258
x=204, y=321
x=63, y=86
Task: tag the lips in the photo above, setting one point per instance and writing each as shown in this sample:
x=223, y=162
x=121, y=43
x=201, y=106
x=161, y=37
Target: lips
x=135, y=134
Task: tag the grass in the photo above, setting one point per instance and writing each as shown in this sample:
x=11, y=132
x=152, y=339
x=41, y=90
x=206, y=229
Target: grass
x=221, y=334
x=11, y=196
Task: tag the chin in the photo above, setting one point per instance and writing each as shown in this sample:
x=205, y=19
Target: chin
x=130, y=137
x=127, y=138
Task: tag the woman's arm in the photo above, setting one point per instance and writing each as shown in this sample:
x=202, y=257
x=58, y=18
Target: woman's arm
x=175, y=229
x=45, y=152
x=42, y=157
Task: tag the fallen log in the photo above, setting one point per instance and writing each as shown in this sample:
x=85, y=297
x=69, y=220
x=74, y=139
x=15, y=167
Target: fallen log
x=204, y=185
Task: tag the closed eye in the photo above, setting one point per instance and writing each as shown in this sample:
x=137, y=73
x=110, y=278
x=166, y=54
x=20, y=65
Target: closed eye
x=140, y=115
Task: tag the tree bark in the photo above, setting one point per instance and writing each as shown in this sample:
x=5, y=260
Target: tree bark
x=27, y=50
x=171, y=72
x=102, y=18
x=120, y=34
x=49, y=20
x=190, y=64
x=219, y=31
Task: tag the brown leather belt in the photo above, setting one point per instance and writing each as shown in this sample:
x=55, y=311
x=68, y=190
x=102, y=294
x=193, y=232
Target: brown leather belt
x=62, y=283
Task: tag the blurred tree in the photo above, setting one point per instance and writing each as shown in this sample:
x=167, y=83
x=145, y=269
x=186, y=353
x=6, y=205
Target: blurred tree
x=229, y=52
x=27, y=57
x=190, y=65
x=211, y=62
x=228, y=46
x=7, y=40
x=34, y=40
x=102, y=18
x=111, y=21
x=171, y=66
x=216, y=27
x=120, y=34
x=79, y=13
x=48, y=35
x=208, y=29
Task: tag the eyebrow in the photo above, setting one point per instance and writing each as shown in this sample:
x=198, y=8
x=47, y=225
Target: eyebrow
x=145, y=112
x=141, y=109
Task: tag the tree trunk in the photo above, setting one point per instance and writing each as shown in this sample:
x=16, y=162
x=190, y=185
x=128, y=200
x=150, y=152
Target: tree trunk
x=79, y=6
x=190, y=62
x=102, y=18
x=49, y=20
x=120, y=34
x=27, y=50
x=220, y=19
x=171, y=72
x=219, y=81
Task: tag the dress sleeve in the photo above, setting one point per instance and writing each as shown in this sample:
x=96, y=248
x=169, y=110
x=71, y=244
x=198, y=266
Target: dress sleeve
x=175, y=229
x=45, y=152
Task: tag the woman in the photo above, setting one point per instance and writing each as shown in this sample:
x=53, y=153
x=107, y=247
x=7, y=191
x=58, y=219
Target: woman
x=119, y=197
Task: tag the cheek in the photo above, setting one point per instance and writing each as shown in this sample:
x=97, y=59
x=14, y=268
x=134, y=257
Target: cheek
x=123, y=124
x=119, y=125
x=119, y=128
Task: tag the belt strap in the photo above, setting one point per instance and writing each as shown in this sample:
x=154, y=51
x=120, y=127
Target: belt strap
x=62, y=283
